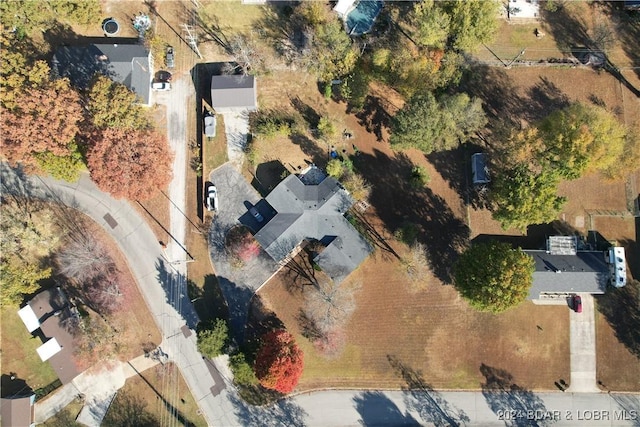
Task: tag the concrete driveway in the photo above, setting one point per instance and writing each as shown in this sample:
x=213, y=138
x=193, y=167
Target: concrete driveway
x=238, y=283
x=583, y=347
x=236, y=128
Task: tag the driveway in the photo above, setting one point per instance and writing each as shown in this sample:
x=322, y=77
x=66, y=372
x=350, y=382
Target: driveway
x=238, y=283
x=236, y=128
x=583, y=347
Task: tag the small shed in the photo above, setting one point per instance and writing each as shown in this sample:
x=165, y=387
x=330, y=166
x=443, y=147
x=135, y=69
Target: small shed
x=234, y=93
x=479, y=169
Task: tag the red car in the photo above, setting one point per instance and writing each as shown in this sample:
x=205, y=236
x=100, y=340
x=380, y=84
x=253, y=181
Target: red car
x=577, y=304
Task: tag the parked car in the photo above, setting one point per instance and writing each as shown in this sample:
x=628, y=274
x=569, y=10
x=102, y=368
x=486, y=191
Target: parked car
x=577, y=304
x=169, y=59
x=163, y=76
x=212, y=198
x=253, y=211
x=161, y=86
x=210, y=125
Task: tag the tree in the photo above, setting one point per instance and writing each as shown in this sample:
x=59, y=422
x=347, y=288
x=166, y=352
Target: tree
x=431, y=24
x=130, y=164
x=27, y=236
x=327, y=129
x=213, y=338
x=428, y=124
x=332, y=55
x=329, y=305
x=112, y=104
x=522, y=197
x=45, y=120
x=578, y=139
x=494, y=277
x=471, y=22
x=279, y=362
x=241, y=244
x=357, y=186
x=242, y=372
x=335, y=168
x=66, y=168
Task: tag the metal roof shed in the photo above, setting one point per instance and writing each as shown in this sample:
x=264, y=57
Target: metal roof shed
x=234, y=93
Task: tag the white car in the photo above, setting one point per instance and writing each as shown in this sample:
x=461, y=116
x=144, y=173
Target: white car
x=212, y=198
x=161, y=86
x=210, y=125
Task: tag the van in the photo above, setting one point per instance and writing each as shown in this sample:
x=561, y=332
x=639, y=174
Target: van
x=479, y=169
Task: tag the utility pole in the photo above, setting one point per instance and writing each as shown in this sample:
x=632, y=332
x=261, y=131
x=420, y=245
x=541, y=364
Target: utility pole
x=514, y=59
x=192, y=38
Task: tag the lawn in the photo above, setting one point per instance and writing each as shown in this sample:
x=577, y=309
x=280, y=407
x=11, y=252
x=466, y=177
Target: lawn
x=430, y=330
x=19, y=355
x=162, y=392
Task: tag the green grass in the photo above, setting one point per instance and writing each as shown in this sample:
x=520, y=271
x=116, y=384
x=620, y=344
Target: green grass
x=233, y=15
x=214, y=150
x=19, y=352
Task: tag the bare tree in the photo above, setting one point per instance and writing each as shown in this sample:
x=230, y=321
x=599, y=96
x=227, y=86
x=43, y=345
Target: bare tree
x=330, y=305
x=416, y=266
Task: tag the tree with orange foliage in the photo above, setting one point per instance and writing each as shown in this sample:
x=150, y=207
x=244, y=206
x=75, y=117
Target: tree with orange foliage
x=279, y=362
x=44, y=120
x=129, y=163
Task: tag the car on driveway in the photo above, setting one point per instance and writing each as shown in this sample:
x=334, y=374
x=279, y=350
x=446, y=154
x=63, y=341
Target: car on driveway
x=212, y=198
x=169, y=58
x=161, y=86
x=577, y=304
x=163, y=76
x=209, y=125
x=257, y=215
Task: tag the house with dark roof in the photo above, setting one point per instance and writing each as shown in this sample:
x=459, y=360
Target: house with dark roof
x=234, y=93
x=564, y=269
x=49, y=316
x=128, y=64
x=311, y=206
x=18, y=411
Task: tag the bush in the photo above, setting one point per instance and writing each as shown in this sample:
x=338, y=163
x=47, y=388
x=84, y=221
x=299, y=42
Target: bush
x=326, y=128
x=269, y=124
x=407, y=233
x=242, y=372
x=357, y=186
x=213, y=338
x=241, y=244
x=419, y=177
x=335, y=168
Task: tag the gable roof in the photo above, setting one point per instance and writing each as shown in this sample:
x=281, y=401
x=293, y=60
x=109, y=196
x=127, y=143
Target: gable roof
x=584, y=271
x=123, y=63
x=314, y=211
x=52, y=311
x=17, y=411
x=233, y=93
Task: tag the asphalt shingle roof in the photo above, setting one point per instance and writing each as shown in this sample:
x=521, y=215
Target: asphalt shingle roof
x=586, y=271
x=314, y=212
x=123, y=63
x=233, y=92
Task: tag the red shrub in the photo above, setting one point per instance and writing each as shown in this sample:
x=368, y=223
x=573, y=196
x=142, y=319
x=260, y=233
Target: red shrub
x=279, y=362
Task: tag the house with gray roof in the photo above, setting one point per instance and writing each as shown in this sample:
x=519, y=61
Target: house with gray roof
x=311, y=206
x=234, y=93
x=564, y=269
x=128, y=64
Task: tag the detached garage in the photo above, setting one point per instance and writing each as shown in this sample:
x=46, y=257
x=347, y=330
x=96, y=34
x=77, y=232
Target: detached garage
x=234, y=94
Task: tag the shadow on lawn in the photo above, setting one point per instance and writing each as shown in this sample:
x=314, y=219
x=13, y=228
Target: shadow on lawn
x=208, y=300
x=424, y=400
x=11, y=385
x=620, y=307
x=375, y=408
x=397, y=202
x=504, y=396
x=374, y=116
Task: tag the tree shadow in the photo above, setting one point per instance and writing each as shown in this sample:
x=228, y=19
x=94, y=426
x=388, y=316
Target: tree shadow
x=174, y=285
x=505, y=397
x=376, y=409
x=544, y=98
x=282, y=413
x=310, y=147
x=208, y=301
x=238, y=300
x=269, y=174
x=620, y=307
x=374, y=116
x=424, y=400
x=13, y=386
x=443, y=233
x=308, y=113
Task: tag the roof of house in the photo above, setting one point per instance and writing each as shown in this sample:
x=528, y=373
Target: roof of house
x=233, y=92
x=52, y=310
x=17, y=411
x=123, y=63
x=585, y=271
x=314, y=211
x=29, y=318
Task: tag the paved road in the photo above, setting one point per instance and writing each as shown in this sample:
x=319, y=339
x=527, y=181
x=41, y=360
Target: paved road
x=160, y=284
x=583, y=347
